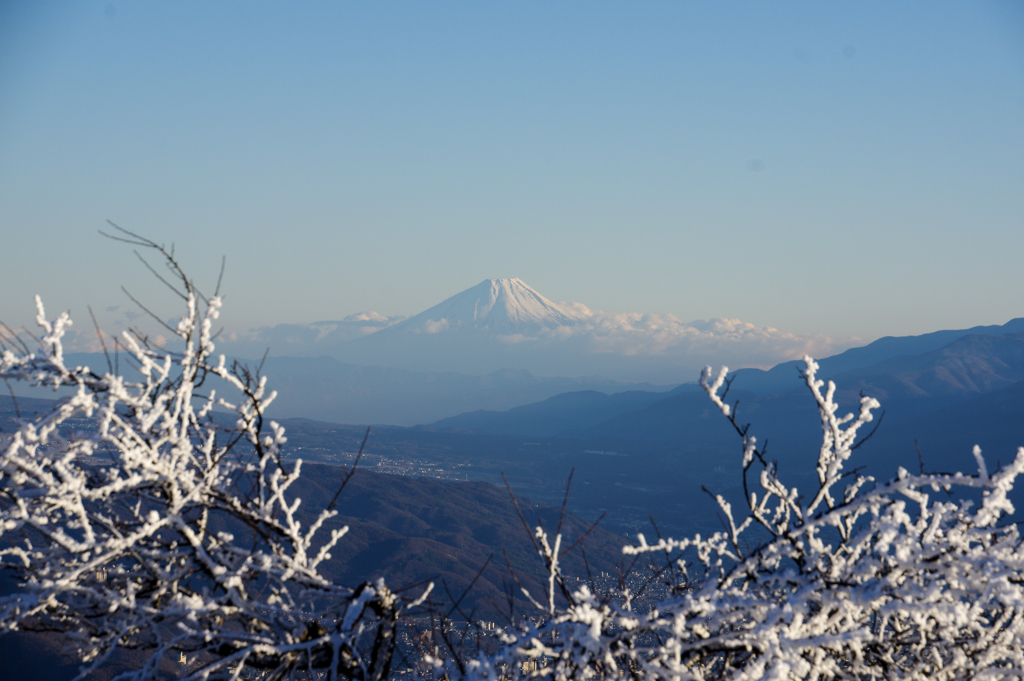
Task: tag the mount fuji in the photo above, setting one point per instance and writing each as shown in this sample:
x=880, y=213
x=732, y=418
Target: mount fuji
x=497, y=324
x=494, y=307
x=503, y=324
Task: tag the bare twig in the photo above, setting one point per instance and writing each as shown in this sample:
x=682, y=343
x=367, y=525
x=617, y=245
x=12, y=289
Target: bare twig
x=515, y=502
x=220, y=277
x=351, y=472
x=868, y=436
x=14, y=398
x=157, y=275
x=583, y=536
x=479, y=573
x=565, y=501
x=99, y=335
x=149, y=312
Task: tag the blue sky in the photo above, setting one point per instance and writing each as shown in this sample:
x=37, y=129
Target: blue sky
x=851, y=169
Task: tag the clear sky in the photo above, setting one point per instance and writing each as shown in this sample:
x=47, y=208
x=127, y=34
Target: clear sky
x=853, y=169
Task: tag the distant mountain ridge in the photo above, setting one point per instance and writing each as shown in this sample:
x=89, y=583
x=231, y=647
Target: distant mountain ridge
x=970, y=364
x=779, y=377
x=936, y=405
x=565, y=412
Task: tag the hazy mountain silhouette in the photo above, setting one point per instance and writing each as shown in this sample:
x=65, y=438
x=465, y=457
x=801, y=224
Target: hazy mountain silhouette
x=559, y=414
x=329, y=390
x=945, y=400
x=951, y=390
x=325, y=389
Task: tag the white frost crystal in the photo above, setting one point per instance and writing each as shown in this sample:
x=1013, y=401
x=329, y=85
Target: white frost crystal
x=119, y=535
x=858, y=582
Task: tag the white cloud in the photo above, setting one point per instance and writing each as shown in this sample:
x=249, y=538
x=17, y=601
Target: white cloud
x=661, y=335
x=305, y=340
x=721, y=339
x=371, y=316
x=430, y=326
x=600, y=342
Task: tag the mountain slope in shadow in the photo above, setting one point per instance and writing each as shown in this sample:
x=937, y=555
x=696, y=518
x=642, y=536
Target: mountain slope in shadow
x=971, y=365
x=967, y=367
x=409, y=530
x=779, y=378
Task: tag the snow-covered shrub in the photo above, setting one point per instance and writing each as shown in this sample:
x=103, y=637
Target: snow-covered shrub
x=856, y=580
x=164, y=525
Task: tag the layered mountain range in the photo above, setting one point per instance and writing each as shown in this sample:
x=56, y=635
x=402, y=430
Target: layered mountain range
x=642, y=451
x=942, y=392
x=501, y=345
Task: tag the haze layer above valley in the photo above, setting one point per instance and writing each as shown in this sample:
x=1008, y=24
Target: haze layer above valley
x=497, y=346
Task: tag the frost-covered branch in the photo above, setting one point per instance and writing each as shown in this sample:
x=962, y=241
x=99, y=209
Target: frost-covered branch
x=168, y=526
x=878, y=582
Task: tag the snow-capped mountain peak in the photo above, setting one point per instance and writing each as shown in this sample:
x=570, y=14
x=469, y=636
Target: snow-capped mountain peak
x=501, y=306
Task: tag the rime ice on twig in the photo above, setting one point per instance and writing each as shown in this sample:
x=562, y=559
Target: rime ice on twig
x=858, y=585
x=139, y=552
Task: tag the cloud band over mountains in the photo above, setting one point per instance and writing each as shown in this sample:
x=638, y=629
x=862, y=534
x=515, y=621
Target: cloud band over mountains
x=635, y=333
x=506, y=324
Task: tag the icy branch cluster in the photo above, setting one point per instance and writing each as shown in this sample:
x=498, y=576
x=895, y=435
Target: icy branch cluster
x=166, y=524
x=853, y=581
x=155, y=513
